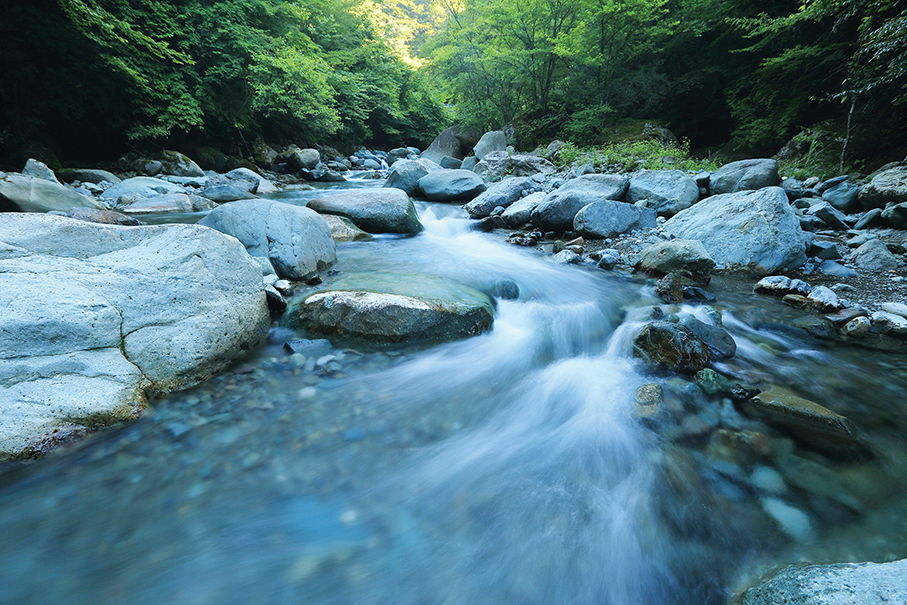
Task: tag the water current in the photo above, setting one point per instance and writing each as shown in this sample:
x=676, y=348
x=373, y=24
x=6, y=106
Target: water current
x=506, y=468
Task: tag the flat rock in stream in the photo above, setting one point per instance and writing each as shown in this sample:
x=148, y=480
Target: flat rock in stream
x=385, y=210
x=392, y=307
x=807, y=420
x=93, y=316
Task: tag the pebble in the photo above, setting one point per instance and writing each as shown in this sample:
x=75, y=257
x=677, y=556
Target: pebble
x=857, y=327
x=768, y=479
x=895, y=308
x=793, y=521
x=297, y=360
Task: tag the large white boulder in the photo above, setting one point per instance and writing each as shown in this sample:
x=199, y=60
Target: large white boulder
x=295, y=239
x=20, y=193
x=667, y=191
x=751, y=230
x=93, y=317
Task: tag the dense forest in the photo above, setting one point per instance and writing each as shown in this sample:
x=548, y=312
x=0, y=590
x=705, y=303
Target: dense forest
x=88, y=79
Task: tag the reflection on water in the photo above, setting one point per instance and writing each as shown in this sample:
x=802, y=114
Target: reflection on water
x=506, y=468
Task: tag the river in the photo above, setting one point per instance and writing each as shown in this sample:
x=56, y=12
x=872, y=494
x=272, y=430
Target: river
x=507, y=468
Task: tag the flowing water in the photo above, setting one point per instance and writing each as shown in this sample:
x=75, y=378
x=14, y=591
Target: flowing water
x=507, y=468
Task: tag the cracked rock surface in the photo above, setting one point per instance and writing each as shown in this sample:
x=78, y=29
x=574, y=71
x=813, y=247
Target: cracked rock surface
x=93, y=318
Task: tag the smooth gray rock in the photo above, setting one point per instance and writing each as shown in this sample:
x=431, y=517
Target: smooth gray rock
x=844, y=196
x=262, y=185
x=170, y=202
x=823, y=250
x=830, y=267
x=888, y=186
x=716, y=338
x=567, y=257
x=372, y=210
x=297, y=240
x=503, y=194
x=445, y=144
x=225, y=193
x=823, y=300
x=518, y=213
x=343, y=229
x=753, y=230
x=405, y=174
x=178, y=164
x=451, y=185
x=793, y=188
x=871, y=218
x=827, y=213
x=134, y=310
x=601, y=220
x=391, y=307
x=140, y=186
x=841, y=584
x=667, y=191
x=495, y=140
x=895, y=215
x=688, y=257
x=20, y=193
x=560, y=207
x=451, y=163
x=88, y=175
x=896, y=308
x=105, y=217
x=399, y=153
x=744, y=175
x=873, y=256
x=298, y=159
x=469, y=163
x=498, y=164
x=39, y=170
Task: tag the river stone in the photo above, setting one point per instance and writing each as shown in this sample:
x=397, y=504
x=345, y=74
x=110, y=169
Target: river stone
x=858, y=327
x=607, y=218
x=560, y=207
x=495, y=140
x=88, y=175
x=518, y=213
x=261, y=184
x=753, y=230
x=445, y=144
x=451, y=163
x=888, y=186
x=844, y=196
x=823, y=299
x=170, y=202
x=502, y=194
x=716, y=338
x=667, y=191
x=498, y=164
x=396, y=154
x=827, y=213
x=19, y=193
x=895, y=215
x=140, y=186
x=390, y=307
x=298, y=159
x=895, y=307
x=744, y=175
x=873, y=256
x=688, y=257
x=806, y=420
x=134, y=309
x=104, y=217
x=840, y=584
x=451, y=185
x=177, y=164
x=39, y=170
x=372, y=210
x=405, y=174
x=884, y=322
x=296, y=240
x=225, y=193
x=672, y=345
x=343, y=229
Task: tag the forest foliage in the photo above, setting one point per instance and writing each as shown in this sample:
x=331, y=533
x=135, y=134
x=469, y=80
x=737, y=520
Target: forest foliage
x=112, y=73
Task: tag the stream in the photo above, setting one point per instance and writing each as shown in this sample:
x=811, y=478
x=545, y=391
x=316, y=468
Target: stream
x=506, y=468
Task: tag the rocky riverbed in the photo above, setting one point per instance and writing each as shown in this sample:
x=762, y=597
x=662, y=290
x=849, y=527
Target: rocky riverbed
x=594, y=381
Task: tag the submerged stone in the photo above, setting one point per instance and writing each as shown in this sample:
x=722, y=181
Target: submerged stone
x=392, y=307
